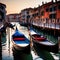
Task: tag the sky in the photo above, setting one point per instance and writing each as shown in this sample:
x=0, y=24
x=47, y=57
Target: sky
x=15, y=6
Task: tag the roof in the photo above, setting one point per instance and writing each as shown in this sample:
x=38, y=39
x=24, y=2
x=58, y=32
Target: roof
x=50, y=3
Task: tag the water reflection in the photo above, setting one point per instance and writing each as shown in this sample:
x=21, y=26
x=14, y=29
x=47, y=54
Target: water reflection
x=11, y=54
x=51, y=38
x=0, y=49
x=21, y=56
x=49, y=35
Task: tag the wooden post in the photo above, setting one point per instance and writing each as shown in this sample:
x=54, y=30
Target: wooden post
x=31, y=44
x=59, y=46
x=0, y=48
x=54, y=32
x=9, y=39
x=59, y=42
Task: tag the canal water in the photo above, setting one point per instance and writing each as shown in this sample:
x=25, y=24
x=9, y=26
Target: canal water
x=7, y=53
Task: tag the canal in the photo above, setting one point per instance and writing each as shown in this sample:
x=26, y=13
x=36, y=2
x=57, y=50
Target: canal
x=7, y=53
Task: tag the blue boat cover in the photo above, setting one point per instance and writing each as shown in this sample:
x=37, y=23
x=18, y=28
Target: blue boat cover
x=17, y=33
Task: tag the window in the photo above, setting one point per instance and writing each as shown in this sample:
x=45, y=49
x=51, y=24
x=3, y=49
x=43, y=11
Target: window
x=53, y=8
x=27, y=12
x=46, y=20
x=58, y=6
x=52, y=16
x=33, y=15
x=37, y=14
x=28, y=16
x=42, y=13
x=50, y=9
x=58, y=20
x=47, y=10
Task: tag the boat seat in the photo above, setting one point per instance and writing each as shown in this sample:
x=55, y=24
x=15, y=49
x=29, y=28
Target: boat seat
x=20, y=39
x=40, y=39
x=35, y=35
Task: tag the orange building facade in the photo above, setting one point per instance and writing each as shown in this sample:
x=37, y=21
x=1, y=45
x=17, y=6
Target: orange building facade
x=47, y=15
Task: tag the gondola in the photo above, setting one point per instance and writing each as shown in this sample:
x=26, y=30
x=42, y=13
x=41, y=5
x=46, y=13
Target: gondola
x=20, y=42
x=41, y=42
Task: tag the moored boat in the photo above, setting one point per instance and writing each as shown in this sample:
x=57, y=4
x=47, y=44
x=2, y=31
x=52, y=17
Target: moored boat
x=41, y=42
x=24, y=24
x=20, y=42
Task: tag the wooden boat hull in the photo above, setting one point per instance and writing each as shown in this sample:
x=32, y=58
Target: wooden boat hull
x=21, y=55
x=44, y=45
x=53, y=48
x=23, y=24
x=21, y=49
x=20, y=42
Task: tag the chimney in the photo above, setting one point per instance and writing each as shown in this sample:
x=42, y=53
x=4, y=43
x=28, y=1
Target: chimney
x=42, y=3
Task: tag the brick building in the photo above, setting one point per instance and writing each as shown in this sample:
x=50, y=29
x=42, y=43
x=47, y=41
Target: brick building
x=47, y=15
x=13, y=17
x=25, y=16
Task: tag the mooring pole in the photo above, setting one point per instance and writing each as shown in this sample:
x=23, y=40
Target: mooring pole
x=59, y=42
x=59, y=46
x=9, y=39
x=0, y=48
x=8, y=33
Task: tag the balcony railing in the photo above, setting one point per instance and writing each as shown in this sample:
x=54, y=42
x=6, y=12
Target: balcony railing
x=46, y=25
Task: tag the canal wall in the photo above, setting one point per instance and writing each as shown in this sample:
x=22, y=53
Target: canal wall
x=55, y=32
